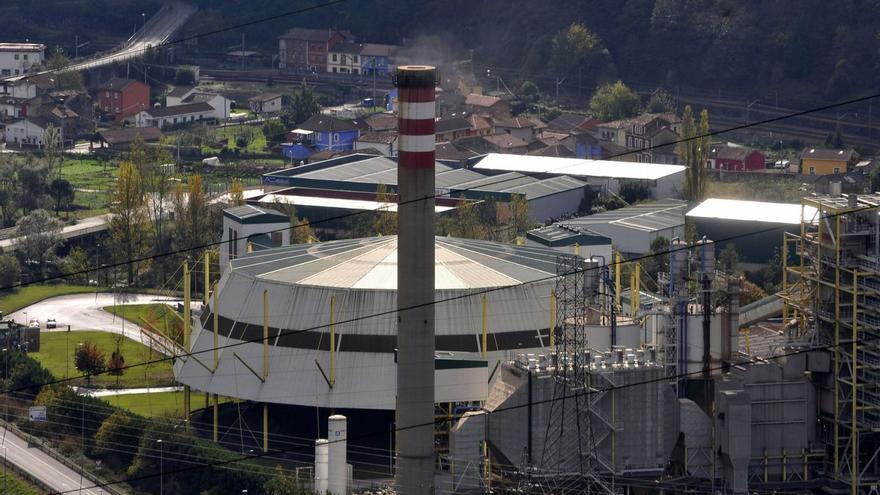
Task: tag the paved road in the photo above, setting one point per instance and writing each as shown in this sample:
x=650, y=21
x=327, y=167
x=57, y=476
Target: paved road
x=108, y=392
x=85, y=226
x=84, y=312
x=158, y=30
x=43, y=467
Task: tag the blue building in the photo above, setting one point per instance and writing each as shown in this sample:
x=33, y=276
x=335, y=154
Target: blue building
x=377, y=58
x=330, y=133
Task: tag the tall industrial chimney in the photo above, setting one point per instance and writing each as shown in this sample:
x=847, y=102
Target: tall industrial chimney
x=415, y=279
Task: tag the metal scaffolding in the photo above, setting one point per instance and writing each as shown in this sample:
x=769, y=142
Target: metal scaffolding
x=831, y=294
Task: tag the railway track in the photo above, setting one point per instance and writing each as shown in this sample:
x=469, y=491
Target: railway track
x=261, y=76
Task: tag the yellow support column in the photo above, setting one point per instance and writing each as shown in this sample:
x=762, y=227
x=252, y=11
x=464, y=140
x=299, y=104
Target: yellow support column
x=552, y=320
x=332, y=341
x=617, y=263
x=485, y=347
x=207, y=275
x=216, y=418
x=785, y=277
x=187, y=321
x=215, y=313
x=636, y=293
x=577, y=249
x=265, y=334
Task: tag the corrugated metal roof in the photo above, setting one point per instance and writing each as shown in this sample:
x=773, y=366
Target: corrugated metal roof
x=577, y=167
x=371, y=263
x=752, y=211
x=650, y=217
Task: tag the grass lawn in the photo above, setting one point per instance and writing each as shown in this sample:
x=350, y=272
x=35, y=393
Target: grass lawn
x=161, y=317
x=158, y=404
x=17, y=485
x=56, y=347
x=25, y=296
x=257, y=143
x=89, y=173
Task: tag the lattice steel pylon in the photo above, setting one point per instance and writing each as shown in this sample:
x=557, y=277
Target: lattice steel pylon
x=569, y=456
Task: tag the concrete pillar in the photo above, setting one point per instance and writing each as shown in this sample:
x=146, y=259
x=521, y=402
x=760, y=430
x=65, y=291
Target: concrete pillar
x=415, y=279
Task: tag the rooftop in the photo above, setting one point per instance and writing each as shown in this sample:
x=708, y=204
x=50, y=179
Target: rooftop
x=22, y=47
x=828, y=154
x=299, y=33
x=371, y=264
x=180, y=91
x=119, y=83
x=326, y=123
x=179, y=109
x=648, y=217
x=505, y=141
x=264, y=97
x=481, y=100
x=515, y=123
x=127, y=135
x=752, y=211
x=254, y=214
x=577, y=167
x=561, y=235
x=378, y=137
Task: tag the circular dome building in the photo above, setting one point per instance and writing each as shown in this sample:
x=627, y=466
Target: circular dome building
x=347, y=288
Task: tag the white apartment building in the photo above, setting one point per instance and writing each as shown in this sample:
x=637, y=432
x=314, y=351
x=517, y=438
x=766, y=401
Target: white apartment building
x=18, y=58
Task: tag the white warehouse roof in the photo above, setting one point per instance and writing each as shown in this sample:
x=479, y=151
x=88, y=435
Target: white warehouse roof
x=752, y=211
x=576, y=167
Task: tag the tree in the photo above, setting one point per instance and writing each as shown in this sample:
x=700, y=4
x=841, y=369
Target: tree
x=64, y=80
x=835, y=139
x=63, y=193
x=236, y=193
x=693, y=149
x=302, y=232
x=89, y=359
x=519, y=214
x=192, y=226
x=529, y=91
x=614, y=101
x=274, y=131
x=303, y=105
x=157, y=186
x=130, y=235
x=467, y=222
x=10, y=189
x=116, y=364
x=728, y=259
x=77, y=266
x=282, y=483
x=38, y=235
x=32, y=178
x=52, y=145
x=386, y=220
x=10, y=270
x=577, y=47
x=184, y=77
x=661, y=101
x=115, y=437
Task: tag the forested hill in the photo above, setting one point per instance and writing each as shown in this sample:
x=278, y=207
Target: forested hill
x=816, y=47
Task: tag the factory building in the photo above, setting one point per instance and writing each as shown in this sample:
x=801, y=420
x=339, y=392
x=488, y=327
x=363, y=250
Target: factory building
x=633, y=228
x=548, y=197
x=663, y=181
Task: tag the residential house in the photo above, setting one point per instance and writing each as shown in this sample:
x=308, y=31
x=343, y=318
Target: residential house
x=506, y=143
x=571, y=123
x=849, y=183
x=18, y=58
x=557, y=150
x=265, y=103
x=734, y=158
x=661, y=148
x=450, y=152
x=824, y=161
x=27, y=132
x=302, y=48
x=27, y=86
x=71, y=110
x=449, y=128
x=12, y=107
x=167, y=117
x=331, y=133
x=121, y=138
x=185, y=95
x=479, y=125
x=245, y=224
x=377, y=59
x=121, y=98
x=379, y=122
x=384, y=142
x=584, y=145
x=491, y=106
x=520, y=127
x=612, y=132
x=345, y=58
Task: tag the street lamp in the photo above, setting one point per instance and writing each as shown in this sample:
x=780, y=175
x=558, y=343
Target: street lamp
x=161, y=466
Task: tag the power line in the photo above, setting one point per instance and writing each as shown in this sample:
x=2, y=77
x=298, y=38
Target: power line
x=588, y=392
x=436, y=195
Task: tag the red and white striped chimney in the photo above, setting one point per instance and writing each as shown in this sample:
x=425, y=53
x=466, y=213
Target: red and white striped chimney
x=415, y=279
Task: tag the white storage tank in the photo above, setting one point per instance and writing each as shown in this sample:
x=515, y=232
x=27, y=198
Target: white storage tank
x=337, y=466
x=321, y=466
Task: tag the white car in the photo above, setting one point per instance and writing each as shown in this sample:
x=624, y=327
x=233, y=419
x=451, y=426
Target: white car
x=34, y=324
x=51, y=323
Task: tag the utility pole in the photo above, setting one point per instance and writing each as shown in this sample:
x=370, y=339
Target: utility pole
x=558, y=83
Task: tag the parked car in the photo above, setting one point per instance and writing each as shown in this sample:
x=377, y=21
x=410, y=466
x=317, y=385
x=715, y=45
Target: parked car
x=50, y=323
x=34, y=324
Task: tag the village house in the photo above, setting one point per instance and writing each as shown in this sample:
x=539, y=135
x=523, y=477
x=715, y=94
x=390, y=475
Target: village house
x=18, y=58
x=377, y=59
x=520, y=127
x=167, y=117
x=28, y=132
x=302, y=48
x=121, y=98
x=449, y=128
x=490, y=106
x=383, y=142
x=734, y=158
x=330, y=133
x=824, y=161
x=345, y=58
x=184, y=95
x=265, y=103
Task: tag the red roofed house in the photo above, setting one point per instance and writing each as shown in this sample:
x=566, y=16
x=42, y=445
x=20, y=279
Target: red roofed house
x=307, y=48
x=121, y=98
x=737, y=158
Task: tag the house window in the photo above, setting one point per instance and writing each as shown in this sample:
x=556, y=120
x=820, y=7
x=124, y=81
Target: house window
x=336, y=137
x=812, y=170
x=115, y=96
x=334, y=57
x=16, y=56
x=16, y=72
x=356, y=71
x=334, y=69
x=107, y=94
x=836, y=170
x=355, y=58
x=25, y=56
x=6, y=72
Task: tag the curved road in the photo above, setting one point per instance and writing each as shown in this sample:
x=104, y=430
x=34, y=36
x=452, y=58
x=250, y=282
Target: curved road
x=43, y=467
x=85, y=312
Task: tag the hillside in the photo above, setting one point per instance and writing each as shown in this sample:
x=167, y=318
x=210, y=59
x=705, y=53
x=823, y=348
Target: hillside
x=814, y=48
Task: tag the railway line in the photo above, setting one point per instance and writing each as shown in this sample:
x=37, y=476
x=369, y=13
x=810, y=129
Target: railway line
x=311, y=78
